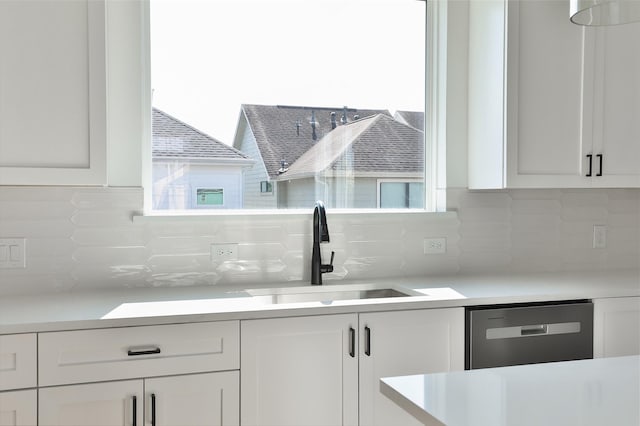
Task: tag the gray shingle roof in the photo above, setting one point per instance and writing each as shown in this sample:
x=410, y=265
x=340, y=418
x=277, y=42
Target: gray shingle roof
x=412, y=118
x=286, y=131
x=173, y=138
x=377, y=144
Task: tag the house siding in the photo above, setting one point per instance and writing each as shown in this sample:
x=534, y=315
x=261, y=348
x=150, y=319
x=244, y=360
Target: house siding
x=176, y=182
x=253, y=198
x=335, y=192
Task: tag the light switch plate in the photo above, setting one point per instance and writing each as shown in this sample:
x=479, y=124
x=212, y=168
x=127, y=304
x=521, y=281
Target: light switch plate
x=13, y=253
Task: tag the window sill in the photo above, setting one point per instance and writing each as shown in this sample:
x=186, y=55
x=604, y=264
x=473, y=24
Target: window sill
x=200, y=215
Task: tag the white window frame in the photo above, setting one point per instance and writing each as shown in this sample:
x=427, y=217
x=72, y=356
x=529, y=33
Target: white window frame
x=435, y=115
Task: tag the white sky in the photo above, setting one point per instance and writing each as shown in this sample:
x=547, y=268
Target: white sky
x=210, y=56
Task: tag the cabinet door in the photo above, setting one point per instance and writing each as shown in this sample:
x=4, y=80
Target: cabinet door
x=19, y=408
x=616, y=327
x=211, y=399
x=546, y=88
x=299, y=371
x=617, y=106
x=404, y=343
x=99, y=404
x=52, y=92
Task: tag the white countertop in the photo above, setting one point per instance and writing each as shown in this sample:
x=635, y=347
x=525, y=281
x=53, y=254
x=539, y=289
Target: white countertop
x=594, y=392
x=148, y=306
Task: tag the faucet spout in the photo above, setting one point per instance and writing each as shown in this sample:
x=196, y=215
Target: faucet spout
x=320, y=235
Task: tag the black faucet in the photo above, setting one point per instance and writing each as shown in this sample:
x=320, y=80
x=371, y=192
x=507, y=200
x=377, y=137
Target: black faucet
x=320, y=235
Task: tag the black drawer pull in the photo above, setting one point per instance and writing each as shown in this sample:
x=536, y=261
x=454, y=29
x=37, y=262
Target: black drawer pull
x=153, y=409
x=150, y=351
x=352, y=342
x=367, y=341
x=600, y=158
x=135, y=410
x=590, y=157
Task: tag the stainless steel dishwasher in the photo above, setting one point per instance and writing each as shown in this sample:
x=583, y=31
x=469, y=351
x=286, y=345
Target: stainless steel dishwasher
x=502, y=335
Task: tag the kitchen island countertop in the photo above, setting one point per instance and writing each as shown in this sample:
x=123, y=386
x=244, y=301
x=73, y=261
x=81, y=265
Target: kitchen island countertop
x=591, y=392
x=124, y=307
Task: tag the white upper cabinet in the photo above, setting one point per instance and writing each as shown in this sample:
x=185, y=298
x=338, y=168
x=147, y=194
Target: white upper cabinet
x=52, y=93
x=550, y=101
x=616, y=106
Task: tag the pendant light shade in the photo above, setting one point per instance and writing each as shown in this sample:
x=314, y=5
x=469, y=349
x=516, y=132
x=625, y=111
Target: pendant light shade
x=604, y=12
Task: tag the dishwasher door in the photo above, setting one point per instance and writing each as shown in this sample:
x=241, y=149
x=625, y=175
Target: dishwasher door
x=527, y=334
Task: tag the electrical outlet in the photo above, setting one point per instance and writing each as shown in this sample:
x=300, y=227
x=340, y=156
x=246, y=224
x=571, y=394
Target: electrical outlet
x=12, y=253
x=599, y=236
x=435, y=245
x=226, y=251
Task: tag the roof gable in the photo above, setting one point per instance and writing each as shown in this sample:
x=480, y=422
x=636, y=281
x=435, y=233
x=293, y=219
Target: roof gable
x=286, y=132
x=173, y=138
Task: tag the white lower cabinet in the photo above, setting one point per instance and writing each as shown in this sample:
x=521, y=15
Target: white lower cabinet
x=19, y=408
x=403, y=343
x=299, y=371
x=616, y=327
x=165, y=375
x=96, y=404
x=209, y=399
x=325, y=370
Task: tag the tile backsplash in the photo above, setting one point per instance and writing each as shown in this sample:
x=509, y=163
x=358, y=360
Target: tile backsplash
x=85, y=238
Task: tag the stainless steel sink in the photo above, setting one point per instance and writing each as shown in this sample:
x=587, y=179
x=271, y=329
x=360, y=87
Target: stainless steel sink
x=327, y=294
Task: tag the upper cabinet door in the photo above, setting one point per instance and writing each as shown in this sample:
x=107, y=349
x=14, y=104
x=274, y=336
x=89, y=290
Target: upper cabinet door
x=567, y=114
x=616, y=106
x=52, y=92
x=545, y=88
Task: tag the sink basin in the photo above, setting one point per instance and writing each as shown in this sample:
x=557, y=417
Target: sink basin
x=327, y=294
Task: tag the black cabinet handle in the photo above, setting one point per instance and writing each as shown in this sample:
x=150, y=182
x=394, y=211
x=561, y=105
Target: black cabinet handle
x=153, y=409
x=367, y=341
x=590, y=157
x=137, y=352
x=352, y=342
x=135, y=410
x=600, y=159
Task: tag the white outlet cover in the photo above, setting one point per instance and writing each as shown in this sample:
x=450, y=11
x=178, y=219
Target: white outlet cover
x=435, y=245
x=224, y=251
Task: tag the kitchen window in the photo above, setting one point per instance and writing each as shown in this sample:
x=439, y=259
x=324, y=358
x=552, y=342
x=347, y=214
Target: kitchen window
x=326, y=98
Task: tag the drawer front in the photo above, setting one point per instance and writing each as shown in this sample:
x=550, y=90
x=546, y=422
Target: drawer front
x=123, y=353
x=18, y=361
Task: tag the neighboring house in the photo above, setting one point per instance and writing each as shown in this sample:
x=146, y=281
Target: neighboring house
x=192, y=170
x=275, y=136
x=373, y=162
x=414, y=119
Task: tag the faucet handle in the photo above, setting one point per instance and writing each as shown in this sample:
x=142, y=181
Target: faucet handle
x=329, y=267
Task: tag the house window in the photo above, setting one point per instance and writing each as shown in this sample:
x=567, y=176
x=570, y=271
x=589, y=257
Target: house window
x=266, y=187
x=330, y=117
x=209, y=197
x=398, y=195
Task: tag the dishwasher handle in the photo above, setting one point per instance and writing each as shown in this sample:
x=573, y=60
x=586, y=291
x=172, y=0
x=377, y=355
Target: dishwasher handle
x=533, y=330
x=530, y=330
